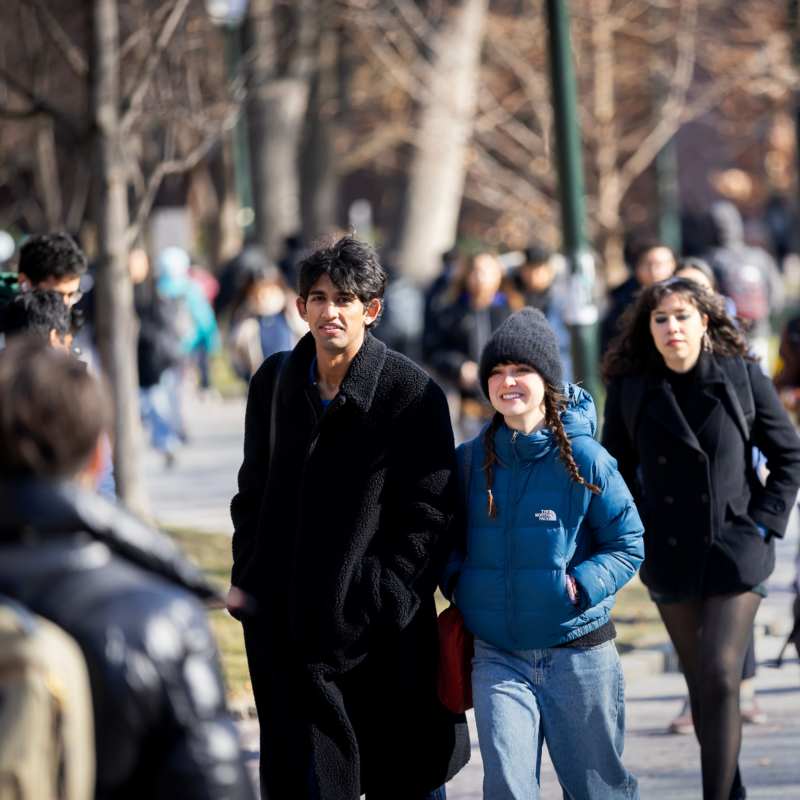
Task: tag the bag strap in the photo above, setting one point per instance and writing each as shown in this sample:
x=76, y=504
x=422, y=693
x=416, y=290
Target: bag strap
x=740, y=392
x=273, y=411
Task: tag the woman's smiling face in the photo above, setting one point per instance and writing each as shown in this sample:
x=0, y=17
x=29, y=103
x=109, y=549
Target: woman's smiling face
x=677, y=328
x=517, y=392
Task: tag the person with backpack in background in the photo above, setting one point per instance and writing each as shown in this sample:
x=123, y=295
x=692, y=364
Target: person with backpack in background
x=552, y=533
x=191, y=317
x=121, y=589
x=686, y=404
x=747, y=275
x=157, y=350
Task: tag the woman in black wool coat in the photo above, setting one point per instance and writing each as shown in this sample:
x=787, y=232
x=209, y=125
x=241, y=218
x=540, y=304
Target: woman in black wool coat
x=686, y=404
x=341, y=547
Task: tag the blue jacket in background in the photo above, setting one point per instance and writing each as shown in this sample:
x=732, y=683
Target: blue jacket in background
x=512, y=587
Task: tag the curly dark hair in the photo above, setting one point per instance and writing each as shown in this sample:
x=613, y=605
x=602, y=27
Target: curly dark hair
x=51, y=255
x=629, y=353
x=353, y=267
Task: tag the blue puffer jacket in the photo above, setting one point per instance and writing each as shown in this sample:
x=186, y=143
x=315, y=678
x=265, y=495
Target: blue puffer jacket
x=512, y=588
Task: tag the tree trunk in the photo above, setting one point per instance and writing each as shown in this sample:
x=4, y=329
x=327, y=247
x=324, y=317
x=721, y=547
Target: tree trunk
x=230, y=232
x=276, y=109
x=319, y=174
x=116, y=319
x=432, y=203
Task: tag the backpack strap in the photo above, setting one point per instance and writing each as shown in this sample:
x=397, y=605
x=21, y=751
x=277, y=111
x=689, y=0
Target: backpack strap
x=740, y=392
x=631, y=399
x=273, y=411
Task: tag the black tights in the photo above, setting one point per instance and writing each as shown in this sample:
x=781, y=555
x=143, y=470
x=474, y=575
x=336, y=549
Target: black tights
x=710, y=637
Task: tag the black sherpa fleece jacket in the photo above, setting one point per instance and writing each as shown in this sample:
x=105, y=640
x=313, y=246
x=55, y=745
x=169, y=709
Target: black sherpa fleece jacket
x=341, y=542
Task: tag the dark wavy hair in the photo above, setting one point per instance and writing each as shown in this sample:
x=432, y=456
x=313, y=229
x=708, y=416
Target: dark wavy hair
x=629, y=353
x=353, y=267
x=51, y=255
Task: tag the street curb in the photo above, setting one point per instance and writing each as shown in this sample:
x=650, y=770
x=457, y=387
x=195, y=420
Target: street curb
x=639, y=664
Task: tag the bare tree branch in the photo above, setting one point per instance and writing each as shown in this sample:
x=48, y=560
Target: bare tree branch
x=172, y=166
x=73, y=55
x=12, y=113
x=132, y=104
x=41, y=105
x=144, y=31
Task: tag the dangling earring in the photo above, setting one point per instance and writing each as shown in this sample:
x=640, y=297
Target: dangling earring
x=707, y=346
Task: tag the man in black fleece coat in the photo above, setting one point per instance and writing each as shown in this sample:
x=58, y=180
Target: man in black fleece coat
x=340, y=537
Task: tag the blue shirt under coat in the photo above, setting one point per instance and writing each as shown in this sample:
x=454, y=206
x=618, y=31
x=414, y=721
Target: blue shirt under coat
x=512, y=587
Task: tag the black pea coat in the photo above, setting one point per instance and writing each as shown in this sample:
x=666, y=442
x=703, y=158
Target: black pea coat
x=342, y=542
x=698, y=490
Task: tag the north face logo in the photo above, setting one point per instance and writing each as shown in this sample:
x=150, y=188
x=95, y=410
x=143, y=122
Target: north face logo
x=546, y=516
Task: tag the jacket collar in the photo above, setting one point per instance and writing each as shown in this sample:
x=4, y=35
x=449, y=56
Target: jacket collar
x=525, y=447
x=361, y=381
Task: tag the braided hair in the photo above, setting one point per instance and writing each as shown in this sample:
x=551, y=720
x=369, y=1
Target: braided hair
x=555, y=403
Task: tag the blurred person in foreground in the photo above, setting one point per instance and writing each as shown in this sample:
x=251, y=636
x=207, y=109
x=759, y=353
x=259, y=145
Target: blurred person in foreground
x=262, y=322
x=340, y=537
x=746, y=274
x=653, y=261
x=535, y=279
x=453, y=341
x=191, y=317
x=686, y=404
x=120, y=588
x=45, y=317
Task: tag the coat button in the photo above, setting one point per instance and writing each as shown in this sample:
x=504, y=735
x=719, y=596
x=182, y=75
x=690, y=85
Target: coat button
x=668, y=500
x=662, y=460
x=701, y=459
x=704, y=498
x=672, y=541
x=780, y=506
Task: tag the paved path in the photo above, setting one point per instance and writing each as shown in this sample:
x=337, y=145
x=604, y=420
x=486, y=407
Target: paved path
x=196, y=492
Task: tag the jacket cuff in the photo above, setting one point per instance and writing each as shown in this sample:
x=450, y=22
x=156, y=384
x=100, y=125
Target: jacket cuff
x=772, y=513
x=592, y=588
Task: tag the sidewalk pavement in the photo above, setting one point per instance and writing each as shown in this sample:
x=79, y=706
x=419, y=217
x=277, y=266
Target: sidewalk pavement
x=196, y=493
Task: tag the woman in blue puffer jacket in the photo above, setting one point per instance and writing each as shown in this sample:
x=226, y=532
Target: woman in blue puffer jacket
x=552, y=534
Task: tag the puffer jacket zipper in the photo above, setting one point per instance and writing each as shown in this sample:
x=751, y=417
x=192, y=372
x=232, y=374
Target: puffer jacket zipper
x=511, y=519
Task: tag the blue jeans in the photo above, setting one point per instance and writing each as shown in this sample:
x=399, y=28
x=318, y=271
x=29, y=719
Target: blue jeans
x=572, y=697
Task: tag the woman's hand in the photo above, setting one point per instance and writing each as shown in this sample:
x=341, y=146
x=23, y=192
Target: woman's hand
x=235, y=601
x=573, y=590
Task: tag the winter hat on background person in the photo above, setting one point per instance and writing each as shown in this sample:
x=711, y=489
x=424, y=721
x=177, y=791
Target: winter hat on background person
x=173, y=262
x=524, y=338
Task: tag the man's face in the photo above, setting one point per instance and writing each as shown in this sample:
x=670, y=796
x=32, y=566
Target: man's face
x=68, y=288
x=655, y=265
x=337, y=320
x=536, y=277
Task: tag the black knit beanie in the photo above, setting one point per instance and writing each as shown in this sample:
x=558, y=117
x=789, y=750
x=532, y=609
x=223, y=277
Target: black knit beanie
x=524, y=338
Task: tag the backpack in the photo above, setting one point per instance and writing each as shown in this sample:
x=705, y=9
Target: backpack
x=47, y=747
x=737, y=386
x=744, y=282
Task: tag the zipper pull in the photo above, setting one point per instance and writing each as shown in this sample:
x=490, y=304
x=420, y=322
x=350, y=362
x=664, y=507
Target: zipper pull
x=514, y=437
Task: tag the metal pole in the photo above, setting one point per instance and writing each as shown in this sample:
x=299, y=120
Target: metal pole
x=581, y=316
